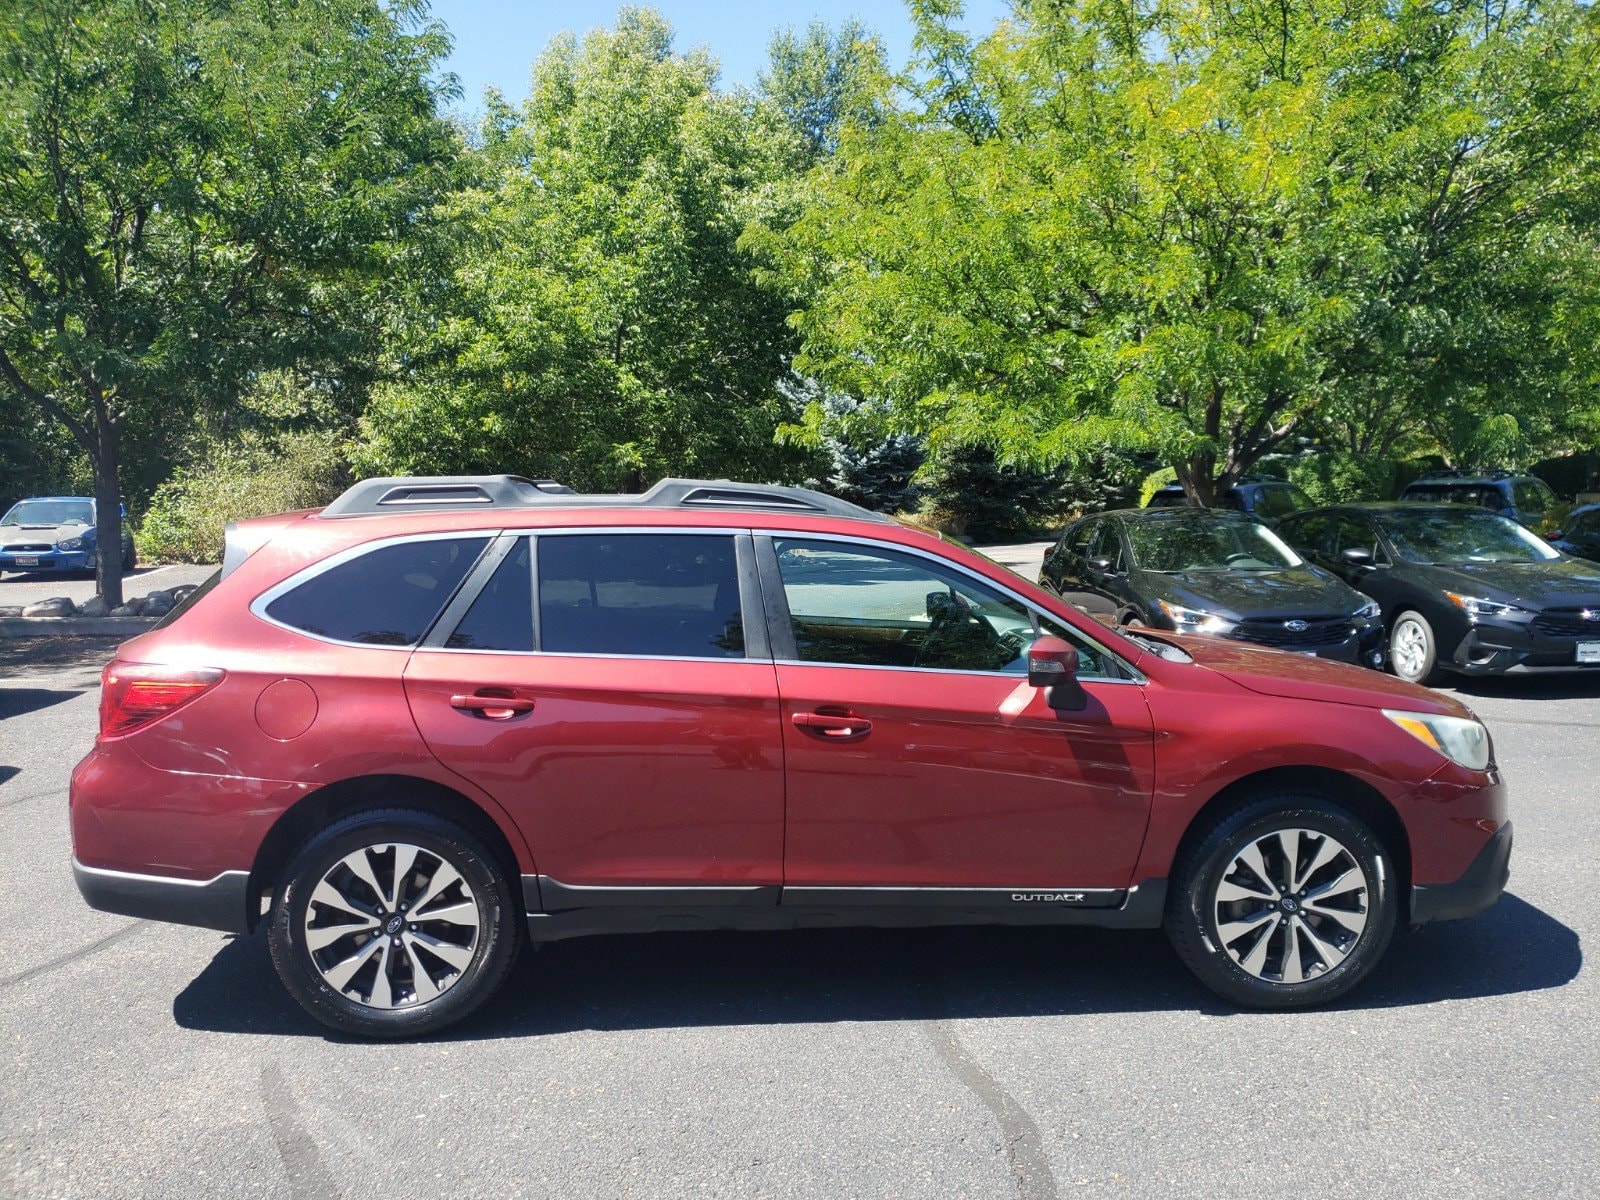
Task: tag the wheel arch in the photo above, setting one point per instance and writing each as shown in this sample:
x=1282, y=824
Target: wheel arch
x=333, y=802
x=1361, y=798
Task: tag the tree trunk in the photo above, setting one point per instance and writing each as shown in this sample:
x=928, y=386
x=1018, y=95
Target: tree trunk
x=108, y=518
x=1197, y=475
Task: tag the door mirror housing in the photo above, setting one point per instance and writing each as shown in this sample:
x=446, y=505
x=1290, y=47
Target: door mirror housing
x=1053, y=667
x=1355, y=556
x=1104, y=565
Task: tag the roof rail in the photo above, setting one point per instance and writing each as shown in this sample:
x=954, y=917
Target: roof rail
x=1464, y=473
x=436, y=493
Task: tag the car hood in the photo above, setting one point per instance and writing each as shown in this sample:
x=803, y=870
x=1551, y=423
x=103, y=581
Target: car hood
x=1300, y=677
x=42, y=533
x=1294, y=592
x=1567, y=581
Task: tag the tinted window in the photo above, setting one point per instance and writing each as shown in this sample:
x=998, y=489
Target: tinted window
x=1078, y=539
x=873, y=606
x=385, y=597
x=1276, y=502
x=1358, y=535
x=1107, y=544
x=501, y=618
x=1586, y=522
x=1313, y=535
x=1220, y=544
x=1478, y=494
x=642, y=594
x=1446, y=535
x=1532, y=497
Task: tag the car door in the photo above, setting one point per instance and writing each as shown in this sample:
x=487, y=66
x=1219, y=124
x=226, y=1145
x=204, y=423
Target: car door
x=917, y=754
x=614, y=692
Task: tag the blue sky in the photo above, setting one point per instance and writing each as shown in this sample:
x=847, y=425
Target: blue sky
x=496, y=41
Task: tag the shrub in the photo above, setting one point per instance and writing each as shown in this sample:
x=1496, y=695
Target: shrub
x=974, y=496
x=233, y=481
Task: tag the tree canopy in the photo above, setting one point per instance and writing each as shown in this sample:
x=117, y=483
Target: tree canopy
x=189, y=192
x=1204, y=231
x=597, y=321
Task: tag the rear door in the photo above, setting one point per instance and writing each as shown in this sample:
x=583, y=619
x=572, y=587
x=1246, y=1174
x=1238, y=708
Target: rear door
x=614, y=691
x=918, y=755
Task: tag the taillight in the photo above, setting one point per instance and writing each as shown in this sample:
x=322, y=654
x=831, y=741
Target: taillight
x=134, y=694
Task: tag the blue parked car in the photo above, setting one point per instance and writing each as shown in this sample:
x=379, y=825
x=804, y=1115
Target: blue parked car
x=1580, y=533
x=54, y=533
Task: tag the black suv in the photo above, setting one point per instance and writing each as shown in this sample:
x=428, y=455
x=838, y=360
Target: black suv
x=1268, y=500
x=1524, y=498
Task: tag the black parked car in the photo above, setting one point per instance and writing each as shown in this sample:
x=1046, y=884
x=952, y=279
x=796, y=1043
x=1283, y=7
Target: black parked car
x=1196, y=570
x=1461, y=588
x=1580, y=533
x=1269, y=500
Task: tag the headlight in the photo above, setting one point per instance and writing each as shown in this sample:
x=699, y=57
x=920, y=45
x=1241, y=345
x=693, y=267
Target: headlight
x=1477, y=606
x=1370, y=611
x=1193, y=620
x=1460, y=740
x=70, y=544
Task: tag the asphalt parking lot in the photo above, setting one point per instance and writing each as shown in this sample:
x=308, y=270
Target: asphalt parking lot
x=144, y=1059
x=19, y=589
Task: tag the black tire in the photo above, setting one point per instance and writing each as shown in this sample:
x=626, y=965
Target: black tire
x=1424, y=670
x=1208, y=863
x=486, y=884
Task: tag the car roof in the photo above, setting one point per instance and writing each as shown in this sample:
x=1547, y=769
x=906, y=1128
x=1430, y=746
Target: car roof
x=1375, y=508
x=31, y=499
x=1186, y=512
x=1479, y=480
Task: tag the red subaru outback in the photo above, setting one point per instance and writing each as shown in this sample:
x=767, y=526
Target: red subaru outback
x=442, y=716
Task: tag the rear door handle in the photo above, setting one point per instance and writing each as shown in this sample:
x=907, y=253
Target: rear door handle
x=832, y=727
x=486, y=704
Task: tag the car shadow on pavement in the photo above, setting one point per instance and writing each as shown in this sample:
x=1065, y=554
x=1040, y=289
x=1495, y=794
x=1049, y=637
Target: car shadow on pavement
x=1579, y=685
x=674, y=980
x=16, y=701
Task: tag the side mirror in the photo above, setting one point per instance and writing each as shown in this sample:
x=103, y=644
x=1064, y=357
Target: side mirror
x=1053, y=667
x=1355, y=556
x=1101, y=564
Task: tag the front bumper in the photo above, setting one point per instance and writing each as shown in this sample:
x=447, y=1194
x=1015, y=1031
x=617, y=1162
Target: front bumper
x=217, y=903
x=1479, y=886
x=46, y=560
x=1493, y=648
x=1362, y=646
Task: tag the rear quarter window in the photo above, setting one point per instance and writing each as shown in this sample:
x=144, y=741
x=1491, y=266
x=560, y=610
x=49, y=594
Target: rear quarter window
x=383, y=597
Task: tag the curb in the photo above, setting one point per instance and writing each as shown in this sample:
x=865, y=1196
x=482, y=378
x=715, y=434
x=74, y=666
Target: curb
x=117, y=627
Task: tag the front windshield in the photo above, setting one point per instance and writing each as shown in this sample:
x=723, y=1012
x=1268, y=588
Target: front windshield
x=1170, y=546
x=50, y=512
x=1463, y=535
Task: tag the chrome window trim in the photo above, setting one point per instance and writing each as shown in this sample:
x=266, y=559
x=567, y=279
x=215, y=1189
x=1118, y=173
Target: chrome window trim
x=1134, y=676
x=258, y=606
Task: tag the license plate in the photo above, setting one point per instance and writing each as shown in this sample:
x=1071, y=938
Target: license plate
x=1589, y=652
x=27, y=560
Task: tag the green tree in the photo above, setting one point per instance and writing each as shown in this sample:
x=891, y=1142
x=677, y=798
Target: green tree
x=596, y=321
x=823, y=80
x=191, y=191
x=1205, y=231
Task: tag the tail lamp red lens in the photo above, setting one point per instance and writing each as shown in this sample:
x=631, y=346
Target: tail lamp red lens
x=132, y=695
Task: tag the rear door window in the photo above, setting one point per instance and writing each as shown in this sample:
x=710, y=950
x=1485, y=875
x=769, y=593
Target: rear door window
x=501, y=618
x=383, y=597
x=640, y=594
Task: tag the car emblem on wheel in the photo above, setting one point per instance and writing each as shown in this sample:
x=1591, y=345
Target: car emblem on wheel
x=1296, y=626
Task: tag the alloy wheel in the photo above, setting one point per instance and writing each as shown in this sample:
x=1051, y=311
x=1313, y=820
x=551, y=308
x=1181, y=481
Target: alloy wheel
x=1408, y=648
x=1291, y=905
x=391, y=925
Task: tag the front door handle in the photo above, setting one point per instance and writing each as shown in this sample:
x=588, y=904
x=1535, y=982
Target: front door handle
x=492, y=704
x=833, y=727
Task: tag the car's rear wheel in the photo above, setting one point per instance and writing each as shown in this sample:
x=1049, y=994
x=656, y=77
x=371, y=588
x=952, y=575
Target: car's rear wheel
x=1288, y=901
x=1413, y=651
x=393, y=923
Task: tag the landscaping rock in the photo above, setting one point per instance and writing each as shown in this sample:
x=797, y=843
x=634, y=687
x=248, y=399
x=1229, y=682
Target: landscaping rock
x=95, y=606
x=157, y=604
x=10, y=610
x=132, y=608
x=56, y=606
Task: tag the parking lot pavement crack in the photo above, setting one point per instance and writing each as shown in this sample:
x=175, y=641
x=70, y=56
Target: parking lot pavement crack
x=93, y=948
x=1018, y=1133
x=302, y=1161
x=13, y=801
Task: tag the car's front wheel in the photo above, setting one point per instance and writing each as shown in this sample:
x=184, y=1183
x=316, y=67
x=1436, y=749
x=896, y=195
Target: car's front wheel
x=1413, y=650
x=1288, y=901
x=393, y=923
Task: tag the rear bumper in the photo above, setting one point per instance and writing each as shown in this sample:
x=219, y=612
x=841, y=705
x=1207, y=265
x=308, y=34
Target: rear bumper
x=217, y=903
x=1480, y=885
